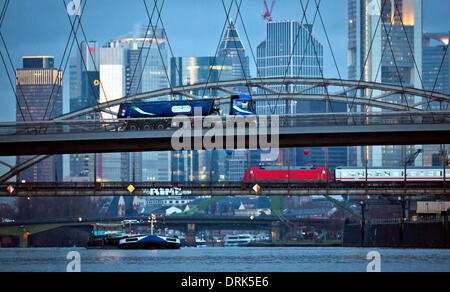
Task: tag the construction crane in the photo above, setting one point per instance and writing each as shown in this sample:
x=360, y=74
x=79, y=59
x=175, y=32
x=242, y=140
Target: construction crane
x=267, y=14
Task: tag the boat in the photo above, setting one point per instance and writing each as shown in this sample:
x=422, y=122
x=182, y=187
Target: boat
x=238, y=239
x=200, y=242
x=107, y=236
x=107, y=242
x=150, y=242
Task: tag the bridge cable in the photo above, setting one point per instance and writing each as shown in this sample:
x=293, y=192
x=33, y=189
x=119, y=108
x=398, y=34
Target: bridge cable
x=37, y=158
x=168, y=42
x=412, y=54
x=218, y=47
x=82, y=58
x=2, y=18
x=258, y=72
x=239, y=55
x=3, y=12
x=62, y=61
x=315, y=52
x=332, y=51
x=84, y=62
x=388, y=38
x=140, y=55
x=379, y=67
x=19, y=86
x=157, y=43
x=367, y=57
x=291, y=56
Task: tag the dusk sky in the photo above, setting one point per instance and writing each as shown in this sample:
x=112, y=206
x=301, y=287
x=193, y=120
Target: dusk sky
x=193, y=27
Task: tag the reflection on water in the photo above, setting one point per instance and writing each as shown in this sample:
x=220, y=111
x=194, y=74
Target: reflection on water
x=238, y=259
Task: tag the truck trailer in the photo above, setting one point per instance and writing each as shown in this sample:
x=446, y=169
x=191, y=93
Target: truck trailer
x=158, y=114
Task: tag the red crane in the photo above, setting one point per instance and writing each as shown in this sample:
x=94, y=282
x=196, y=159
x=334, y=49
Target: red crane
x=267, y=14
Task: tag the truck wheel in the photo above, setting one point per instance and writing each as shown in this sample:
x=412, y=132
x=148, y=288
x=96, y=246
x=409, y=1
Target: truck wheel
x=161, y=126
x=133, y=127
x=147, y=126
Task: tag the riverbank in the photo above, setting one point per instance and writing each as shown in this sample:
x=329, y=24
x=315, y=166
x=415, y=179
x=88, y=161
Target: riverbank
x=331, y=243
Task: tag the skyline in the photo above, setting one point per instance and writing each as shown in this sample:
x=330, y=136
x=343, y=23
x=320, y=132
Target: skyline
x=180, y=30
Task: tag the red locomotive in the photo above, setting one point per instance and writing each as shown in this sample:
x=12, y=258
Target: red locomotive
x=283, y=174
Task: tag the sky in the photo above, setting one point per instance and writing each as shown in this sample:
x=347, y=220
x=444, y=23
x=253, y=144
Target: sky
x=193, y=27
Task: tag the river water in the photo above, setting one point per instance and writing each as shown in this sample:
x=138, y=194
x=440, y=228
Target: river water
x=238, y=259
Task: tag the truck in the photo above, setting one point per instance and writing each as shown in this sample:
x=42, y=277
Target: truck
x=158, y=114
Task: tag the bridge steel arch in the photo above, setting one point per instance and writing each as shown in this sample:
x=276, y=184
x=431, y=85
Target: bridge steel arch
x=344, y=94
x=380, y=100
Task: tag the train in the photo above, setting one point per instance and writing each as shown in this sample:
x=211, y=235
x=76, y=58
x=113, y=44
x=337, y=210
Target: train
x=343, y=174
x=140, y=112
x=275, y=174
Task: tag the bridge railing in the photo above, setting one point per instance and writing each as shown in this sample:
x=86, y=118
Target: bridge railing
x=297, y=120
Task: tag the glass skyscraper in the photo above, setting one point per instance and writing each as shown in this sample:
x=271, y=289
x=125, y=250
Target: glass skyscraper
x=371, y=58
x=84, y=92
x=232, y=47
x=200, y=165
x=39, y=97
x=436, y=61
x=292, y=50
x=129, y=66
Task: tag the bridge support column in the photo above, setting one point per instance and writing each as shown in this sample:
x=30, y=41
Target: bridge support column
x=276, y=231
x=23, y=240
x=190, y=235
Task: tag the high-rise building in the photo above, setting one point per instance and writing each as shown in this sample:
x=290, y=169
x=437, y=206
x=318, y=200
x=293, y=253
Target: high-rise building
x=436, y=77
x=84, y=92
x=292, y=50
x=129, y=66
x=200, y=165
x=436, y=61
x=232, y=47
x=39, y=97
x=385, y=45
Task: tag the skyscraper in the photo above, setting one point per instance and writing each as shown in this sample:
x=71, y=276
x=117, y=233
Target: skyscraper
x=436, y=77
x=436, y=61
x=128, y=66
x=385, y=45
x=232, y=47
x=291, y=50
x=84, y=92
x=39, y=97
x=200, y=165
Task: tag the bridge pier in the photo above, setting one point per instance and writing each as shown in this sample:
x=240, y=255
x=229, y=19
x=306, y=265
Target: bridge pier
x=190, y=235
x=23, y=240
x=276, y=231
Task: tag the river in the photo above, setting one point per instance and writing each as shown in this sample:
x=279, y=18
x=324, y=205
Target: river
x=238, y=259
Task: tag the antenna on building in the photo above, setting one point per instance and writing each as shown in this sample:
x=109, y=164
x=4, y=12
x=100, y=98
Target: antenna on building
x=267, y=14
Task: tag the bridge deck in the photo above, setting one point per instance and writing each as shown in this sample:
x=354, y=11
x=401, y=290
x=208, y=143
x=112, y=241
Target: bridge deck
x=228, y=189
x=67, y=137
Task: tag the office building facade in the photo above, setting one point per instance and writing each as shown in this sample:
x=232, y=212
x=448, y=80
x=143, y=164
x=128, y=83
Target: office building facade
x=39, y=90
x=385, y=46
x=292, y=50
x=200, y=165
x=232, y=47
x=436, y=77
x=84, y=92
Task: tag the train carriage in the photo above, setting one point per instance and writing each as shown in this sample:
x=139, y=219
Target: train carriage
x=348, y=174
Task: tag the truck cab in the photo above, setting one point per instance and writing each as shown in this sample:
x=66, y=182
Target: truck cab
x=242, y=105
